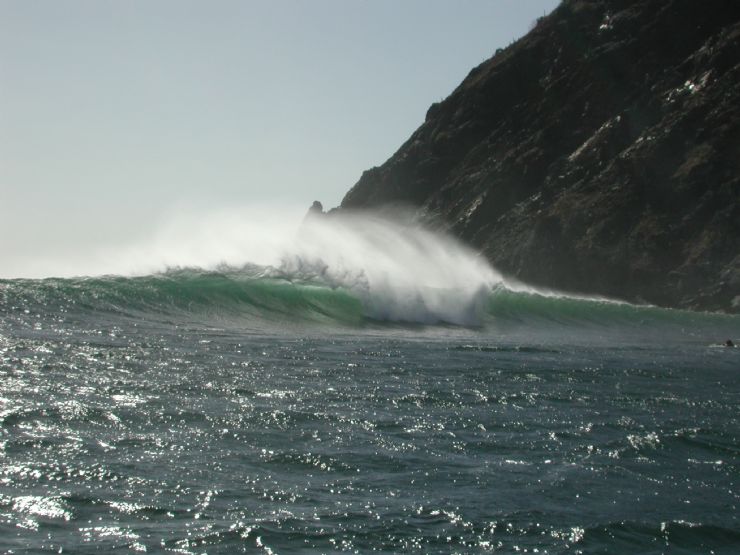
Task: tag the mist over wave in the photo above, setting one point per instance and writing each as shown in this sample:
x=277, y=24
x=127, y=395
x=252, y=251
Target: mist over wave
x=397, y=269
x=184, y=237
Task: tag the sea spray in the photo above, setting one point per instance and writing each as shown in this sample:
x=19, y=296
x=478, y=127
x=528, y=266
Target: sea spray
x=400, y=270
x=396, y=268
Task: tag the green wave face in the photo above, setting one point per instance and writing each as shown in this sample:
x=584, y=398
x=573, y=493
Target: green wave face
x=254, y=297
x=572, y=315
x=189, y=293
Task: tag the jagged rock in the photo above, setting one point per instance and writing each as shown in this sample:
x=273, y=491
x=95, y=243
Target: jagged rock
x=316, y=208
x=600, y=153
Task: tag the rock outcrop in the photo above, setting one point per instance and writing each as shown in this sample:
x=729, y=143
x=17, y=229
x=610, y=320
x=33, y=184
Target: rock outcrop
x=599, y=154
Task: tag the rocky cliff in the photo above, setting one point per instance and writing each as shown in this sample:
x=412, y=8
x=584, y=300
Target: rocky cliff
x=600, y=154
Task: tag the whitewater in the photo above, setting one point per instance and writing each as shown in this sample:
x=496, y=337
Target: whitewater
x=352, y=383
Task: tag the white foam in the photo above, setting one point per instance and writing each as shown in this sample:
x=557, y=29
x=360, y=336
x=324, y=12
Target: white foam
x=400, y=270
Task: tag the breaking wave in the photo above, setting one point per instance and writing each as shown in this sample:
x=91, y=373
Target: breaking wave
x=354, y=270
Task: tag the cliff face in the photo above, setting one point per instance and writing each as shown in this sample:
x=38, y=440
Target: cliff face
x=600, y=153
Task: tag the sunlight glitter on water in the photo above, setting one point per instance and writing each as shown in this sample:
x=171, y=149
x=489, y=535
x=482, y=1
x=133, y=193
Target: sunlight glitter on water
x=198, y=438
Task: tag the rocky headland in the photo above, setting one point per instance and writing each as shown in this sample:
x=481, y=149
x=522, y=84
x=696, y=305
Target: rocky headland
x=599, y=154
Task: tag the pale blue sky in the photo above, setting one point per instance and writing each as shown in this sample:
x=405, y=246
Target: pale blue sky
x=112, y=113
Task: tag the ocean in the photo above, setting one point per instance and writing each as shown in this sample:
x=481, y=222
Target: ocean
x=276, y=410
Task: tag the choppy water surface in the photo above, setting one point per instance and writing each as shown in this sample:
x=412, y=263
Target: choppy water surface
x=552, y=429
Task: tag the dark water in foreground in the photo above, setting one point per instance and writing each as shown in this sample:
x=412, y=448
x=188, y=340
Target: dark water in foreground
x=287, y=423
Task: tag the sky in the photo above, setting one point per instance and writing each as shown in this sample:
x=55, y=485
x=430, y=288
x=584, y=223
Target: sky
x=115, y=115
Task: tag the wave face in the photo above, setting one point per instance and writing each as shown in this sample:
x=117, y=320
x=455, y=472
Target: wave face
x=186, y=293
x=265, y=297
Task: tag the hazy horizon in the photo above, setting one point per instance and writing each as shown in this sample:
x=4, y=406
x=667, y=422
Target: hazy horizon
x=117, y=117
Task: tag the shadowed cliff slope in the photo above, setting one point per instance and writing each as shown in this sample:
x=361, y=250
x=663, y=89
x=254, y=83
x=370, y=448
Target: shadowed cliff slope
x=600, y=153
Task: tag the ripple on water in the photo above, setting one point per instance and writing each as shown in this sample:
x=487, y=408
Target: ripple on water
x=198, y=440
